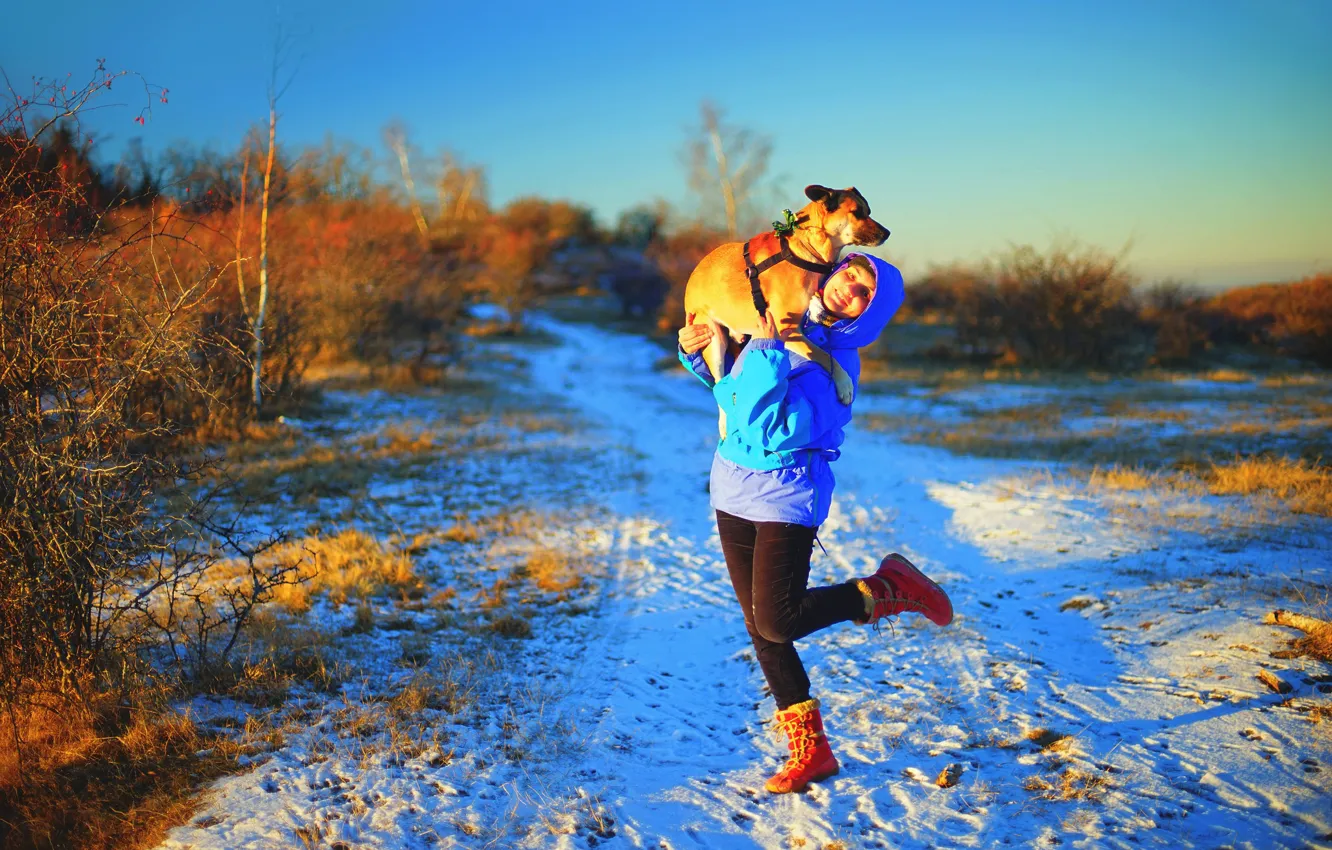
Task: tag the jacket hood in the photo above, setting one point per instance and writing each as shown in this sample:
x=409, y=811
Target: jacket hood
x=889, y=293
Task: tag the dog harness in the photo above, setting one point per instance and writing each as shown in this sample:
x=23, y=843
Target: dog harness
x=785, y=255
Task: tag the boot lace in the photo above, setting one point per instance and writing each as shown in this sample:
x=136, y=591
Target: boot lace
x=801, y=741
x=894, y=597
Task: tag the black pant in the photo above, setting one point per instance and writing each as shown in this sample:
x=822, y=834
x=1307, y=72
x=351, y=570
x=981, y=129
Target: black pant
x=769, y=567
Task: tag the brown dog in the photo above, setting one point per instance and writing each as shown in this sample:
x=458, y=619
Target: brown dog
x=719, y=290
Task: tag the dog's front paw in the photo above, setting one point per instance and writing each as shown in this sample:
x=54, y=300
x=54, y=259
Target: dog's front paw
x=846, y=390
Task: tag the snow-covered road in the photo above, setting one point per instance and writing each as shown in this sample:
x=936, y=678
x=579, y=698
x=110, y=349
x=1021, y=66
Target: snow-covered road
x=1096, y=688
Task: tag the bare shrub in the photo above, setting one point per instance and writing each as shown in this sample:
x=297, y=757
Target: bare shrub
x=100, y=352
x=1068, y=307
x=727, y=165
x=942, y=293
x=1175, y=315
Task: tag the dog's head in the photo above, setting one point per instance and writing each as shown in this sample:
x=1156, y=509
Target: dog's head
x=844, y=215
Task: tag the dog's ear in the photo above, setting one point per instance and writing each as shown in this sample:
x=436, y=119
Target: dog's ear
x=815, y=192
x=860, y=201
x=830, y=197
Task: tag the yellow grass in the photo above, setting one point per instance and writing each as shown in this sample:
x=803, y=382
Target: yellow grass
x=1072, y=784
x=1305, y=487
x=552, y=571
x=350, y=564
x=1121, y=478
x=1229, y=376
x=96, y=779
x=1077, y=784
x=471, y=530
x=1320, y=713
x=277, y=461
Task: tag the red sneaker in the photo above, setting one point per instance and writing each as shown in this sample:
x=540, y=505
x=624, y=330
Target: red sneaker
x=897, y=587
x=811, y=757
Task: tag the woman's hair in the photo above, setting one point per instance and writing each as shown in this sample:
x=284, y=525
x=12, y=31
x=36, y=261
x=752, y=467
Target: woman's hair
x=863, y=263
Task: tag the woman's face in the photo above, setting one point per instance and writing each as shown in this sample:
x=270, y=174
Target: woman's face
x=848, y=293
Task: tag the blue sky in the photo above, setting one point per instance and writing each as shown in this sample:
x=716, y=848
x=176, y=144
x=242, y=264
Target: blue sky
x=1196, y=132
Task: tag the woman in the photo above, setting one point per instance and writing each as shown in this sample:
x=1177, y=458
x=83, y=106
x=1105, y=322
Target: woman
x=771, y=487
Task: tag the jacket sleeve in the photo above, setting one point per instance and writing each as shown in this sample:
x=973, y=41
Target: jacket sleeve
x=696, y=364
x=768, y=409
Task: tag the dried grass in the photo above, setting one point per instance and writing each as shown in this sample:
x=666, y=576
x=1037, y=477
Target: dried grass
x=553, y=571
x=1072, y=784
x=1305, y=487
x=1320, y=713
x=511, y=626
x=95, y=779
x=349, y=564
x=1122, y=478
x=1048, y=739
x=1077, y=784
x=1137, y=437
x=1227, y=376
x=286, y=462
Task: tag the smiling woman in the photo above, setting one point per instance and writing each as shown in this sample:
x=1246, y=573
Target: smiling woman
x=771, y=487
x=846, y=294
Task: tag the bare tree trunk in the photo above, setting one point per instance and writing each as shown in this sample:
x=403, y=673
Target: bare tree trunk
x=732, y=159
x=398, y=141
x=455, y=188
x=261, y=312
x=240, y=233
x=723, y=174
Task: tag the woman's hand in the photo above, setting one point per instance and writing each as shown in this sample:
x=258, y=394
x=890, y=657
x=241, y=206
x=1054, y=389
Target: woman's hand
x=694, y=338
x=767, y=327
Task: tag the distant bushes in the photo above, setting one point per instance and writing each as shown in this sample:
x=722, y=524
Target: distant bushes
x=1069, y=307
x=1292, y=318
x=676, y=256
x=1175, y=320
x=942, y=293
x=1077, y=307
x=652, y=262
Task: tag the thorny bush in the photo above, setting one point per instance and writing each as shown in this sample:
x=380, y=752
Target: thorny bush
x=106, y=342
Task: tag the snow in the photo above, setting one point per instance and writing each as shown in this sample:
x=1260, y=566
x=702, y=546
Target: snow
x=643, y=723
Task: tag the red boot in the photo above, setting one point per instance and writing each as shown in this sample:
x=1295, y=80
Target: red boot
x=811, y=758
x=897, y=586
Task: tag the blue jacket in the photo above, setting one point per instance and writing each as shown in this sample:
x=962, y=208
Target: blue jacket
x=784, y=424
